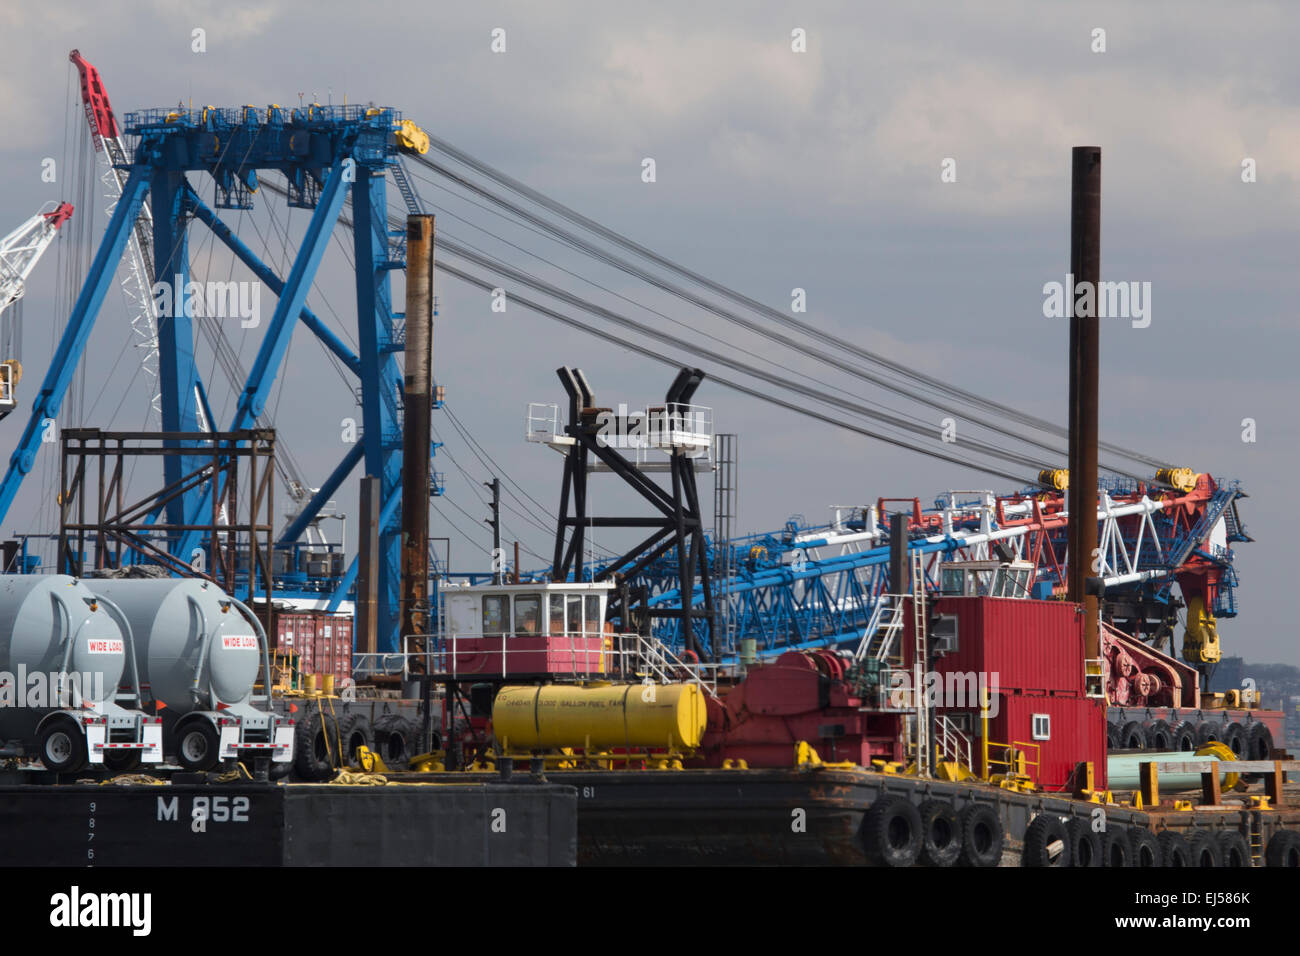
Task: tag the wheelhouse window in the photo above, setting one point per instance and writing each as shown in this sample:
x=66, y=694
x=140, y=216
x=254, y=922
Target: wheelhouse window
x=557, y=613
x=574, y=604
x=528, y=614
x=953, y=581
x=496, y=615
x=593, y=614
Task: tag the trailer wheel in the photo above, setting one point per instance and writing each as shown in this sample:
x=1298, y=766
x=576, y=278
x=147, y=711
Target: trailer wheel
x=122, y=761
x=1159, y=735
x=62, y=746
x=1085, y=844
x=1132, y=736
x=1207, y=731
x=981, y=836
x=1116, y=850
x=940, y=833
x=1183, y=737
x=1046, y=842
x=355, y=732
x=1145, y=846
x=1173, y=849
x=316, y=747
x=1260, y=739
x=891, y=832
x=1112, y=737
x=1234, y=735
x=1233, y=848
x=1283, y=849
x=1203, y=849
x=197, y=746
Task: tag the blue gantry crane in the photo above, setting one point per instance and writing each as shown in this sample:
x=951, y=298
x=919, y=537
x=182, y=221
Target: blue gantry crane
x=325, y=154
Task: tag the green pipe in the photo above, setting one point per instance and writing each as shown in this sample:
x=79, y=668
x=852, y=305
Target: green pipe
x=1123, y=770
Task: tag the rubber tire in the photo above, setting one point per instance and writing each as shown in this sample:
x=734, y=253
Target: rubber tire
x=122, y=761
x=1182, y=737
x=1116, y=849
x=1208, y=730
x=1234, y=735
x=211, y=754
x=355, y=731
x=313, y=758
x=1233, y=848
x=940, y=833
x=1132, y=736
x=1085, y=843
x=392, y=740
x=1159, y=735
x=1112, y=737
x=1174, y=850
x=1042, y=832
x=1145, y=846
x=1204, y=849
x=1283, y=849
x=1260, y=739
x=981, y=837
x=75, y=756
x=891, y=832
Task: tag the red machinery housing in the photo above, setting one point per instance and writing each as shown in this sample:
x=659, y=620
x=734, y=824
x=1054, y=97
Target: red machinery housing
x=802, y=695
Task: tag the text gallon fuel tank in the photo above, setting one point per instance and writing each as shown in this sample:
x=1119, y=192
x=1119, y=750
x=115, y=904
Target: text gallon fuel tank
x=600, y=717
x=50, y=624
x=191, y=642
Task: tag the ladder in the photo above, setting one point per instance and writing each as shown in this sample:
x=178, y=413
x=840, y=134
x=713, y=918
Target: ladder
x=920, y=661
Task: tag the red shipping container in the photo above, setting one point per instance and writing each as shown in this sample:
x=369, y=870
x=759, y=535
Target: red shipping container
x=1071, y=730
x=1032, y=646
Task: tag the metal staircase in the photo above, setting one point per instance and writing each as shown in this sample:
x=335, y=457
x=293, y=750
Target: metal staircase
x=953, y=744
x=881, y=633
x=655, y=661
x=1214, y=510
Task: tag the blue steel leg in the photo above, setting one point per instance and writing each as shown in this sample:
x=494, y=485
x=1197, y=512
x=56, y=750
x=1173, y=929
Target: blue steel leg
x=73, y=342
x=176, y=371
x=380, y=384
x=331, y=485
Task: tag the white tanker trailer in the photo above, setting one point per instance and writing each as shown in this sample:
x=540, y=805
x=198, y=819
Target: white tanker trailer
x=63, y=658
x=200, y=651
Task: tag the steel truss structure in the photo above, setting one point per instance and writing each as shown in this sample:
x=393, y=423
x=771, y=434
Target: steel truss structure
x=120, y=533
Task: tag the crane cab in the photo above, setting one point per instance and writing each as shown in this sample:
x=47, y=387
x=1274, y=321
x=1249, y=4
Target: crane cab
x=1000, y=579
x=531, y=630
x=10, y=374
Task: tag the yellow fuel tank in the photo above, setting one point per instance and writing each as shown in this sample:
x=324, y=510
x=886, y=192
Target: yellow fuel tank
x=601, y=717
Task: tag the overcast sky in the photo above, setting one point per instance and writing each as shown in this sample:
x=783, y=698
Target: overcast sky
x=774, y=170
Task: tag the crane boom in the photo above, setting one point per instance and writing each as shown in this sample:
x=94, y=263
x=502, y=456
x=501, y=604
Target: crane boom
x=19, y=252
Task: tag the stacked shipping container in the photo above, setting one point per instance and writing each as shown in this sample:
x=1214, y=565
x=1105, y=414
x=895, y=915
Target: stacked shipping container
x=322, y=642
